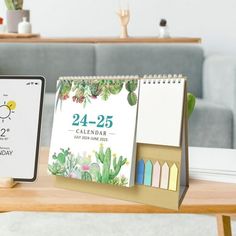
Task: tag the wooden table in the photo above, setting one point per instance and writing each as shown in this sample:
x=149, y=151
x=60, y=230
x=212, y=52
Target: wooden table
x=202, y=198
x=102, y=40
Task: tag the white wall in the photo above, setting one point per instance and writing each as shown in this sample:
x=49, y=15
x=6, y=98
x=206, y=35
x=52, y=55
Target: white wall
x=212, y=20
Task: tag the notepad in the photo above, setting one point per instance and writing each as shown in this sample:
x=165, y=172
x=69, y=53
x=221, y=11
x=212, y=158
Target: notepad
x=160, y=111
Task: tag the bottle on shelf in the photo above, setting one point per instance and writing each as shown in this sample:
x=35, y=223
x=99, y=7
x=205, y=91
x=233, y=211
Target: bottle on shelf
x=24, y=27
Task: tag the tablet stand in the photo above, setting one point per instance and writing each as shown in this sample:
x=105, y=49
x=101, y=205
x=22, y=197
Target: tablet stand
x=7, y=182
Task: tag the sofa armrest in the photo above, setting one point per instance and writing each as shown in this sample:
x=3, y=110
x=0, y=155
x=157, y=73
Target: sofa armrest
x=219, y=83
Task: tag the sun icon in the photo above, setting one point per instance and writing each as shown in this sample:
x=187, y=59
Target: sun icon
x=6, y=110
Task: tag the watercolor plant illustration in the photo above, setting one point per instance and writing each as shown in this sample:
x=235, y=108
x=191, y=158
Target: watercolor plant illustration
x=86, y=90
x=110, y=167
x=105, y=170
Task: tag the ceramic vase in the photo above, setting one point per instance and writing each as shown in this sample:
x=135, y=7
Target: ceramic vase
x=164, y=32
x=14, y=17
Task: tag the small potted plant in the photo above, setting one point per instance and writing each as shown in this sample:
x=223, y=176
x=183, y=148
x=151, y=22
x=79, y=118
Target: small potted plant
x=163, y=29
x=15, y=14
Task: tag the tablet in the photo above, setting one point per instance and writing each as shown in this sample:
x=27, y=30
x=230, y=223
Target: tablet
x=21, y=101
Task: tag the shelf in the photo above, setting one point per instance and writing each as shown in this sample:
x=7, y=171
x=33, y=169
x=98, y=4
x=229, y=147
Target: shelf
x=100, y=40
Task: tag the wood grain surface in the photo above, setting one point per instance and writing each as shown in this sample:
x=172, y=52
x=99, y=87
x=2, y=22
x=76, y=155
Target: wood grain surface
x=14, y=36
x=202, y=197
x=26, y=39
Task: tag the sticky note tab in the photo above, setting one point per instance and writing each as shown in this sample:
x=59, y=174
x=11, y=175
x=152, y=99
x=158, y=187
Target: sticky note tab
x=173, y=178
x=165, y=176
x=140, y=172
x=148, y=173
x=156, y=175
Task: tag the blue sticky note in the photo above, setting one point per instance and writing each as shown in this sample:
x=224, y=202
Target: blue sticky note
x=140, y=172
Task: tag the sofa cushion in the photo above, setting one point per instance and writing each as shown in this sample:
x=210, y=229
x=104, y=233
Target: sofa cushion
x=48, y=60
x=141, y=59
x=211, y=125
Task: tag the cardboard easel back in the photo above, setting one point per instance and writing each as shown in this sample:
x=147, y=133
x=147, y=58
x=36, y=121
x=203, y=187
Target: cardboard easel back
x=184, y=181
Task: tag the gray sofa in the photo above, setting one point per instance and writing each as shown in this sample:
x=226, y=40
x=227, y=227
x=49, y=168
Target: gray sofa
x=211, y=79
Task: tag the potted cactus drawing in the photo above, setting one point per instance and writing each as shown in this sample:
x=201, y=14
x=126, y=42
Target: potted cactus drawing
x=110, y=166
x=105, y=169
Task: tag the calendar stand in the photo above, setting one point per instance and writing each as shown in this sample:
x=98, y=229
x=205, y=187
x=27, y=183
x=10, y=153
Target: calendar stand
x=7, y=182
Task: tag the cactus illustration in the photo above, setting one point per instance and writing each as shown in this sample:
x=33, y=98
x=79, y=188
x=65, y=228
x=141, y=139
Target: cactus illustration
x=115, y=87
x=105, y=169
x=64, y=164
x=58, y=166
x=94, y=171
x=56, y=169
x=95, y=89
x=132, y=98
x=61, y=156
x=131, y=86
x=86, y=176
x=108, y=173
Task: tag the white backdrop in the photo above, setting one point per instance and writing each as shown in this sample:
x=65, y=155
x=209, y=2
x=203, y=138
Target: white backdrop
x=213, y=21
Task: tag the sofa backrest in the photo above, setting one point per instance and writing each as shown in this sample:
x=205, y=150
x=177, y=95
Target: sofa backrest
x=55, y=60
x=48, y=60
x=141, y=59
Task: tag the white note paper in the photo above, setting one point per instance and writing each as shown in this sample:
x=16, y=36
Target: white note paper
x=160, y=111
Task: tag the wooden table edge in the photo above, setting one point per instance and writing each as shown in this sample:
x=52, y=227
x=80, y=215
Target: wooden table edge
x=106, y=208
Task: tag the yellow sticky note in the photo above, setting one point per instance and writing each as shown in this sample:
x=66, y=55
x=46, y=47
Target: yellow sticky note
x=173, y=178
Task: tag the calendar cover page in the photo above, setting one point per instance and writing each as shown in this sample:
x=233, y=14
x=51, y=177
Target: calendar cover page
x=94, y=130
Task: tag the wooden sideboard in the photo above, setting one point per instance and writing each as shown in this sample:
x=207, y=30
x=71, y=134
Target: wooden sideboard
x=101, y=40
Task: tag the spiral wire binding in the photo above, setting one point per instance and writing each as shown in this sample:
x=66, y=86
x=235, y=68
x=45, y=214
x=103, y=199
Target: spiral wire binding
x=146, y=79
x=90, y=78
x=162, y=79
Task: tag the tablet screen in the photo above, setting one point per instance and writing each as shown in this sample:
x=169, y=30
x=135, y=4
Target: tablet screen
x=20, y=121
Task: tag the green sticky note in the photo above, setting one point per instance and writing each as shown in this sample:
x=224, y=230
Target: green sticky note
x=148, y=174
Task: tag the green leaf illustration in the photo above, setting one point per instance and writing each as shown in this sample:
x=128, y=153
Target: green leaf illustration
x=131, y=85
x=132, y=98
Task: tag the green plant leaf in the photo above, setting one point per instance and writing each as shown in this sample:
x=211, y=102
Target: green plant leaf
x=10, y=5
x=132, y=98
x=116, y=87
x=105, y=93
x=61, y=158
x=191, y=103
x=131, y=85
